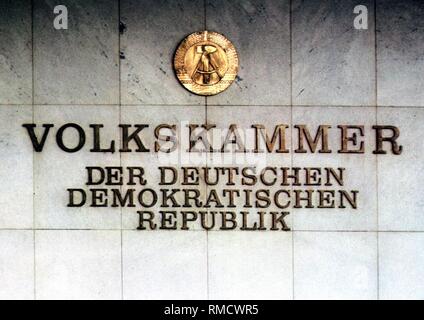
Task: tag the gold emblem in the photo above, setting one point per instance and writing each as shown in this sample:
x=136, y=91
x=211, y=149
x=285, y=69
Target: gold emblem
x=206, y=63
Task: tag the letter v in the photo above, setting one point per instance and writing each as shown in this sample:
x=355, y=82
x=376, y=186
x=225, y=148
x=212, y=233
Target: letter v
x=38, y=146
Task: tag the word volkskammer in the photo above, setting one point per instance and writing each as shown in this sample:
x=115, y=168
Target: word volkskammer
x=199, y=138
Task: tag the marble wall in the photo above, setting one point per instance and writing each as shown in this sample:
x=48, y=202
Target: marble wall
x=301, y=61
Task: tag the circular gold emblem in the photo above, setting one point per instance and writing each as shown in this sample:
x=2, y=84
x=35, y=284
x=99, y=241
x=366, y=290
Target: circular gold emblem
x=206, y=63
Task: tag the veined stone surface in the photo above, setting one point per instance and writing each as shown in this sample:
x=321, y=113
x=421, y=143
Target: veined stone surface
x=15, y=52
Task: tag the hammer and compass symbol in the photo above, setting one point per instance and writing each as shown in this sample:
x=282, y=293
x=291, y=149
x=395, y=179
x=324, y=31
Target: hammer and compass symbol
x=206, y=63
